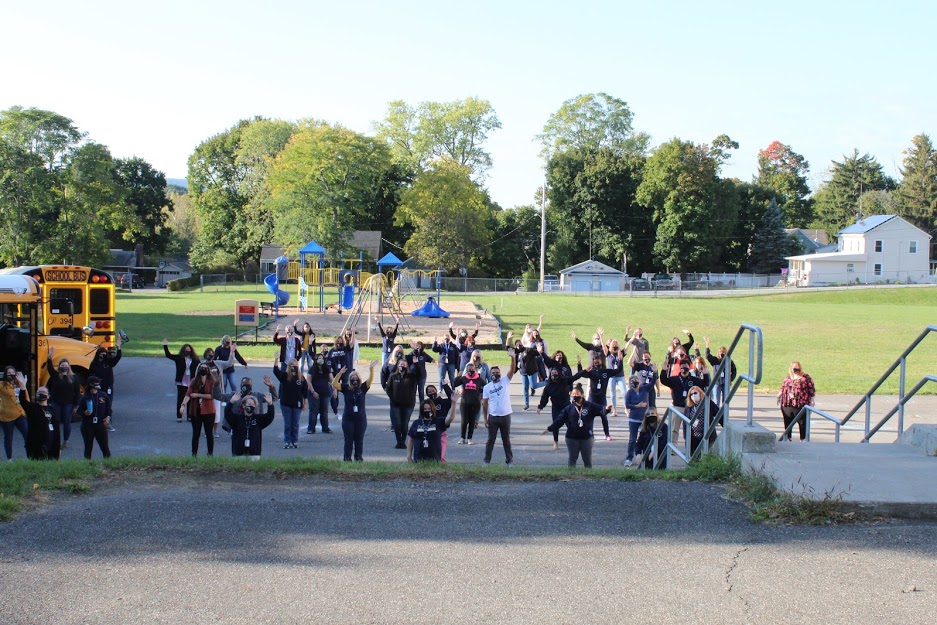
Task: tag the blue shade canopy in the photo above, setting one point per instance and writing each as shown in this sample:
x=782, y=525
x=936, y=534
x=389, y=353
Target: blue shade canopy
x=311, y=249
x=389, y=260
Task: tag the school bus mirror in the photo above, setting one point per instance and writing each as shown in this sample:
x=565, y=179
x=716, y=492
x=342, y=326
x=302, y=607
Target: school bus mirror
x=87, y=331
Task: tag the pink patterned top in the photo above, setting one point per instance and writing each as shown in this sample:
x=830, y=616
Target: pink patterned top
x=797, y=392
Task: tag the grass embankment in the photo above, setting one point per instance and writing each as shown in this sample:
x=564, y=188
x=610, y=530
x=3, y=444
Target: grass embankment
x=844, y=339
x=24, y=483
x=27, y=483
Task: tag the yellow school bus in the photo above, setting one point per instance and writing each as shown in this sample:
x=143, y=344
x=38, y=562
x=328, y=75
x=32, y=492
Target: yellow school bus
x=22, y=342
x=75, y=297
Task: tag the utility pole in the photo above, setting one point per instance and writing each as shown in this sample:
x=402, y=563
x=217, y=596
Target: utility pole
x=543, y=231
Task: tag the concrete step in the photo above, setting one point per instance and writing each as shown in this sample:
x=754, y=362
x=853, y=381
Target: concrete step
x=874, y=479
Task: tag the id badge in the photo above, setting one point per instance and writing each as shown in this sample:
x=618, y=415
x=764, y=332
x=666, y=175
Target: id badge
x=425, y=443
x=108, y=391
x=354, y=408
x=51, y=429
x=94, y=421
x=247, y=442
x=684, y=393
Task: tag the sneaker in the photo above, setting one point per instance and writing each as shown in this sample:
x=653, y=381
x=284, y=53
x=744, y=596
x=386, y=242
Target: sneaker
x=217, y=435
x=609, y=438
x=110, y=428
x=310, y=431
x=526, y=407
x=295, y=446
x=461, y=441
x=326, y=431
x=628, y=462
x=510, y=464
x=287, y=446
x=179, y=420
x=469, y=442
x=533, y=392
x=556, y=446
x=400, y=446
x=64, y=444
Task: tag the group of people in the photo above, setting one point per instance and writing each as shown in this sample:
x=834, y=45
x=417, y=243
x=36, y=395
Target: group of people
x=45, y=421
x=315, y=377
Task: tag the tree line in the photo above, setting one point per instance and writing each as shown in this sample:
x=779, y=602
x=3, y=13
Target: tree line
x=419, y=177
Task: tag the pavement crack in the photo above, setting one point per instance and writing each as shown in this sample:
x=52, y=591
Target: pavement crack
x=730, y=584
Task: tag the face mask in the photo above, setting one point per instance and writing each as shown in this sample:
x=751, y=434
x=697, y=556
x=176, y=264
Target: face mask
x=684, y=372
x=634, y=384
x=209, y=357
x=495, y=377
x=554, y=377
x=579, y=399
x=319, y=361
x=355, y=383
x=227, y=343
x=294, y=370
x=427, y=413
x=8, y=376
x=431, y=396
x=462, y=335
x=187, y=354
x=41, y=397
x=471, y=372
x=63, y=369
x=249, y=409
x=96, y=388
x=202, y=373
x=245, y=389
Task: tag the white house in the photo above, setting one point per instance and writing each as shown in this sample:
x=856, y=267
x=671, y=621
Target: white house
x=591, y=275
x=877, y=249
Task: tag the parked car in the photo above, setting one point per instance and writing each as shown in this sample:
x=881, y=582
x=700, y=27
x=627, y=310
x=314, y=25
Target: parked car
x=640, y=284
x=131, y=280
x=663, y=281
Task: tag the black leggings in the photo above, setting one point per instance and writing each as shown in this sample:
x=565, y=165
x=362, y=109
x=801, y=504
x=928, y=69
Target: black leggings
x=206, y=422
x=789, y=413
x=180, y=395
x=469, y=413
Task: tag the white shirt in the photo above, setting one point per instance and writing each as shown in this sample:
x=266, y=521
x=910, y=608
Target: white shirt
x=499, y=398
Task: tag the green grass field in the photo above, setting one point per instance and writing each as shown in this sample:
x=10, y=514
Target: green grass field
x=844, y=339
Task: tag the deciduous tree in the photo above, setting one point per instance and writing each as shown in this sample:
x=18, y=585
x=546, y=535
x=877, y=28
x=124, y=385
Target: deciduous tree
x=784, y=172
x=591, y=122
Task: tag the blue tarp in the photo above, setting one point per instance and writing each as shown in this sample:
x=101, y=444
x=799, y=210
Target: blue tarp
x=429, y=309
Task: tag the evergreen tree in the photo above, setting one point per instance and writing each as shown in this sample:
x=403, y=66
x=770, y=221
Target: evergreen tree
x=917, y=193
x=771, y=244
x=837, y=202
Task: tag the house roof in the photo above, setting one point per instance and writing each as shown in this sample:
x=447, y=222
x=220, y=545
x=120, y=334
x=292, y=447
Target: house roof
x=368, y=241
x=869, y=223
x=270, y=252
x=178, y=265
x=592, y=267
x=831, y=256
x=123, y=258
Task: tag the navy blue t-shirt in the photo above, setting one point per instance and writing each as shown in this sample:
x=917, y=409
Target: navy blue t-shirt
x=426, y=438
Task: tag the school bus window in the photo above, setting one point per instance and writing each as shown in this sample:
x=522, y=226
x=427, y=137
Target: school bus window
x=99, y=302
x=59, y=298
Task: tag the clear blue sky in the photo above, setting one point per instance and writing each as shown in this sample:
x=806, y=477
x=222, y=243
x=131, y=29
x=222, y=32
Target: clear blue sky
x=155, y=79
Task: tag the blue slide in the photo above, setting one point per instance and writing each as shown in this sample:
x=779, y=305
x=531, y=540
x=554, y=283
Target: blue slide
x=273, y=285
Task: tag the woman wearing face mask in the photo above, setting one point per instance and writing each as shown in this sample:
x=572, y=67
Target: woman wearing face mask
x=94, y=408
x=64, y=393
x=677, y=353
x=797, y=391
x=204, y=390
x=614, y=359
x=307, y=345
x=390, y=366
x=442, y=405
x=293, y=393
x=186, y=365
x=354, y=418
x=647, y=371
x=43, y=440
x=103, y=368
x=578, y=418
x=472, y=387
x=644, y=448
x=226, y=353
x=215, y=368
x=320, y=392
x=638, y=343
x=12, y=415
x=401, y=389
x=596, y=349
x=247, y=423
x=598, y=377
x=338, y=359
x=561, y=364
x=557, y=392
x=424, y=439
x=420, y=359
x=528, y=362
x=291, y=347
x=696, y=413
x=636, y=401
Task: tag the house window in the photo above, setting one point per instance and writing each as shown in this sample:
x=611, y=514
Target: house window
x=878, y=269
x=850, y=267
x=912, y=247
x=878, y=245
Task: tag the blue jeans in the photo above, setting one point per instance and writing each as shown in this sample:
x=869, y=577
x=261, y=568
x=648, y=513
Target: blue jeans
x=353, y=427
x=291, y=416
x=530, y=382
x=8, y=427
x=306, y=360
x=614, y=383
x=230, y=382
x=319, y=409
x=400, y=421
x=444, y=370
x=64, y=412
x=633, y=428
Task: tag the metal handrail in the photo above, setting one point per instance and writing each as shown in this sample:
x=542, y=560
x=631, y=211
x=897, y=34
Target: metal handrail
x=752, y=376
x=866, y=401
